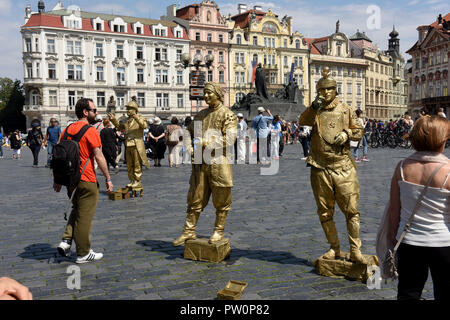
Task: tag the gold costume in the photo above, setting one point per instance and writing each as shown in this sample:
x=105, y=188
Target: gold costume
x=333, y=172
x=212, y=176
x=134, y=143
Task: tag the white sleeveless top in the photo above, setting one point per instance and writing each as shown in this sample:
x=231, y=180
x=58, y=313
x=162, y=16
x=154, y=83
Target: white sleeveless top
x=430, y=226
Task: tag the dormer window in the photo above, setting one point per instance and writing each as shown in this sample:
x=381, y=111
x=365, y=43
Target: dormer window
x=238, y=39
x=72, y=22
x=178, y=31
x=138, y=28
x=118, y=25
x=159, y=30
x=98, y=24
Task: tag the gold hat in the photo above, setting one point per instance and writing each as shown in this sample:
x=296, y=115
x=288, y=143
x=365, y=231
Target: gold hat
x=216, y=88
x=133, y=104
x=326, y=82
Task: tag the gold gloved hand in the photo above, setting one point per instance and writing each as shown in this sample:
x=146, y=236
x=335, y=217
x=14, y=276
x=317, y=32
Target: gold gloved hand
x=341, y=138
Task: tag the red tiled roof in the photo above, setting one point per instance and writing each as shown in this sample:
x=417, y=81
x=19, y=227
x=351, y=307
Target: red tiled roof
x=54, y=21
x=188, y=12
x=242, y=20
x=311, y=44
x=434, y=25
x=446, y=18
x=44, y=20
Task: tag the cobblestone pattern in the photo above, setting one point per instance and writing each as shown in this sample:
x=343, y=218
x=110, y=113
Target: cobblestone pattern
x=274, y=230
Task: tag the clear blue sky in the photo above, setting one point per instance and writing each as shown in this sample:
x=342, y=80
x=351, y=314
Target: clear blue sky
x=311, y=18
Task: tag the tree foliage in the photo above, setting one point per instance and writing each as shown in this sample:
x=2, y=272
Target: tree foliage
x=12, y=99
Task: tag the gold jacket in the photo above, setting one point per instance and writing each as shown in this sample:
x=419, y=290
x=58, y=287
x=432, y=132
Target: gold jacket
x=134, y=132
x=218, y=131
x=327, y=123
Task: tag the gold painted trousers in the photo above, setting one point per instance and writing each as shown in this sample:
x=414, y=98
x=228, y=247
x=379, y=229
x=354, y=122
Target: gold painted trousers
x=335, y=186
x=134, y=164
x=200, y=190
x=339, y=186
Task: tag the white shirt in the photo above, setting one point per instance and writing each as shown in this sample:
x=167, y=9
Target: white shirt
x=242, y=129
x=430, y=226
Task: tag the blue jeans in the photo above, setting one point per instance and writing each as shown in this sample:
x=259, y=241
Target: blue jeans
x=1, y=149
x=356, y=149
x=49, y=152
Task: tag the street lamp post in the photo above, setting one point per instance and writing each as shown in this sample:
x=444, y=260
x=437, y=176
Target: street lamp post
x=197, y=63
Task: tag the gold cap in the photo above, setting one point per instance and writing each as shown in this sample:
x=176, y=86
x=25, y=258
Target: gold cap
x=326, y=81
x=133, y=104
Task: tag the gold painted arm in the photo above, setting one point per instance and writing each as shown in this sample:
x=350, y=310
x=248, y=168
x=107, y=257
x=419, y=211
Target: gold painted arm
x=308, y=117
x=117, y=124
x=141, y=122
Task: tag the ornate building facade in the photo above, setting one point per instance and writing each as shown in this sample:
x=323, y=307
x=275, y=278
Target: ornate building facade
x=261, y=37
x=336, y=52
x=209, y=33
x=430, y=65
x=69, y=54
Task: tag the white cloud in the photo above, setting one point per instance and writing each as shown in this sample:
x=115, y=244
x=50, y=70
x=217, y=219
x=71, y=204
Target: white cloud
x=5, y=7
x=413, y=2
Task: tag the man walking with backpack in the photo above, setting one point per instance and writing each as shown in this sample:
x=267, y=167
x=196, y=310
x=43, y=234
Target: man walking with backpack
x=85, y=189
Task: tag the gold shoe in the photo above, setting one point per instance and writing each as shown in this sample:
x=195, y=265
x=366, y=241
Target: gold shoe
x=353, y=228
x=189, y=229
x=219, y=227
x=332, y=254
x=330, y=232
x=357, y=257
x=184, y=237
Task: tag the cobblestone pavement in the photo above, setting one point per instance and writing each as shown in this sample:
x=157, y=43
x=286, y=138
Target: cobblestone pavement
x=274, y=230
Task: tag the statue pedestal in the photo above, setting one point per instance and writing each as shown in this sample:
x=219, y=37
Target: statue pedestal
x=202, y=250
x=344, y=268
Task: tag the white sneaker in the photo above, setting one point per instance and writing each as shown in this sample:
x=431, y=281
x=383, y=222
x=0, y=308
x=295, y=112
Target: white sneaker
x=304, y=158
x=64, y=249
x=91, y=256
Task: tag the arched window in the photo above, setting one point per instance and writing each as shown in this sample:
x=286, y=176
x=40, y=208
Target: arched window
x=208, y=16
x=238, y=39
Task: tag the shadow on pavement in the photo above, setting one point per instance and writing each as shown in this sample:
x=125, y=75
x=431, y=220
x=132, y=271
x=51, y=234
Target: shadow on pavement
x=281, y=257
x=42, y=251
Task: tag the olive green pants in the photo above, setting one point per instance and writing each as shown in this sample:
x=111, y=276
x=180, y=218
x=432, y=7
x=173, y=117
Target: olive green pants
x=80, y=221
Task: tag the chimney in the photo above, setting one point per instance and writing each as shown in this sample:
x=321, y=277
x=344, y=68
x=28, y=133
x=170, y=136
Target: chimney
x=172, y=11
x=242, y=8
x=257, y=8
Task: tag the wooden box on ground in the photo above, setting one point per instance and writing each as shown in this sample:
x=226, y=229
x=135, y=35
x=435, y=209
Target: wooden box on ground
x=123, y=193
x=344, y=268
x=202, y=250
x=232, y=291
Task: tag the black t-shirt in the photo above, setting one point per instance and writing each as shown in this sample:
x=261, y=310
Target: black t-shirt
x=34, y=137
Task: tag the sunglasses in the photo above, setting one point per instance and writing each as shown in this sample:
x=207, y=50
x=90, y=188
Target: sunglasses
x=93, y=110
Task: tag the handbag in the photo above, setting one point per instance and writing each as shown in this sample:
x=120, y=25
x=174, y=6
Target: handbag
x=390, y=262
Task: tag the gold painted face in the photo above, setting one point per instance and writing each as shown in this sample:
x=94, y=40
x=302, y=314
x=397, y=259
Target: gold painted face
x=329, y=94
x=130, y=112
x=211, y=98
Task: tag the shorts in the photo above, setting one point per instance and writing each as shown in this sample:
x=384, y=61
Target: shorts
x=16, y=152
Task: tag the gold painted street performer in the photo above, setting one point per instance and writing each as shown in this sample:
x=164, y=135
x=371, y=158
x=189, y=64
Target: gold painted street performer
x=135, y=148
x=333, y=170
x=213, y=174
